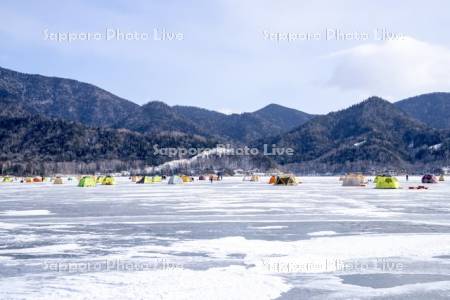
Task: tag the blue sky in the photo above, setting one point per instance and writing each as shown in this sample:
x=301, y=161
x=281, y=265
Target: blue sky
x=225, y=61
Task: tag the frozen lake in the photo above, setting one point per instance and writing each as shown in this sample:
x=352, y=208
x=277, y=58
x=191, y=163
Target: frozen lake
x=226, y=240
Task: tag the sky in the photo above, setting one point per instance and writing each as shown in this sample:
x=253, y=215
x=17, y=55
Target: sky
x=233, y=55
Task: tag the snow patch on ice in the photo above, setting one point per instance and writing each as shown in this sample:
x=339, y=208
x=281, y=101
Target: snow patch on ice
x=267, y=227
x=51, y=249
x=316, y=250
x=21, y=213
x=322, y=233
x=9, y=226
x=235, y=282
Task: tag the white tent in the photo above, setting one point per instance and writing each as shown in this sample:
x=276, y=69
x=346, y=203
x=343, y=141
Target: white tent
x=175, y=180
x=353, y=180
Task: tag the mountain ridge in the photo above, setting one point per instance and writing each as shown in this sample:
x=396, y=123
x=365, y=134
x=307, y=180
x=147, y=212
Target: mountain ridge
x=90, y=105
x=432, y=108
x=369, y=134
x=47, y=121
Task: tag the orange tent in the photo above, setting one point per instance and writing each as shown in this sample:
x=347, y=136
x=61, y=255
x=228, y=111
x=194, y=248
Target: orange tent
x=273, y=179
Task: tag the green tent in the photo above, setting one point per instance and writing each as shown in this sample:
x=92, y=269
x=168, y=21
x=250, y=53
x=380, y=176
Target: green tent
x=387, y=182
x=87, y=181
x=7, y=179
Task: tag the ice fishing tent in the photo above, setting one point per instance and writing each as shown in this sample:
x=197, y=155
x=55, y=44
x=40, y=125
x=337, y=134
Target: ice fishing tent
x=175, y=180
x=213, y=177
x=87, y=181
x=286, y=180
x=429, y=178
x=186, y=178
x=58, y=180
x=37, y=179
x=156, y=179
x=273, y=179
x=145, y=179
x=109, y=180
x=387, y=182
x=250, y=178
x=100, y=179
x=135, y=178
x=353, y=180
x=28, y=180
x=254, y=178
x=7, y=179
x=441, y=178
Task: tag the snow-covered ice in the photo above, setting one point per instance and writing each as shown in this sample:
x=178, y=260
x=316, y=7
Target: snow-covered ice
x=32, y=212
x=226, y=240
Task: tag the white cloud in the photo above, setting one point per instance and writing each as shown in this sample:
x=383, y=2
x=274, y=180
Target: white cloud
x=392, y=69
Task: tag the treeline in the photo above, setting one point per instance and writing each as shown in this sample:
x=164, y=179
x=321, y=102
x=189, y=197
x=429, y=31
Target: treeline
x=32, y=144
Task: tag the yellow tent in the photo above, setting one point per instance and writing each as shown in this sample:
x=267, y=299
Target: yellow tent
x=441, y=178
x=145, y=179
x=186, y=178
x=100, y=179
x=156, y=179
x=109, y=180
x=387, y=182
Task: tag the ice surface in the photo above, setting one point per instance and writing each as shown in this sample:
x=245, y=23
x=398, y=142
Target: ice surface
x=226, y=240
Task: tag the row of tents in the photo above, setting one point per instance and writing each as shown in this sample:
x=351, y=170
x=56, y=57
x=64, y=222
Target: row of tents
x=37, y=179
x=283, y=180
x=430, y=178
x=173, y=179
x=91, y=181
x=383, y=181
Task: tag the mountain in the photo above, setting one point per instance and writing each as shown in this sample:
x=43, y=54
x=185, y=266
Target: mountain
x=245, y=127
x=283, y=116
x=65, y=98
x=371, y=134
x=235, y=128
x=157, y=116
x=33, y=144
x=92, y=106
x=52, y=124
x=432, y=109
